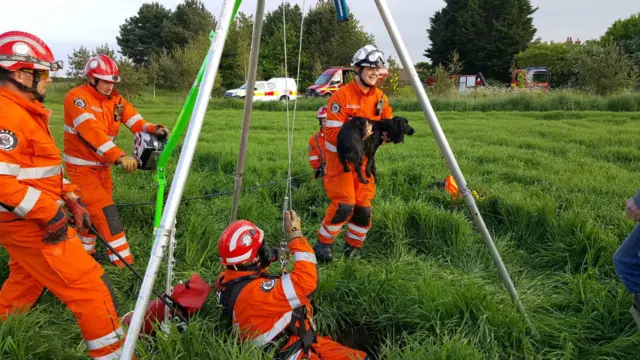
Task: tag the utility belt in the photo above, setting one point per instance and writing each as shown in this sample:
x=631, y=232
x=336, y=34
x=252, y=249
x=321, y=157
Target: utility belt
x=307, y=337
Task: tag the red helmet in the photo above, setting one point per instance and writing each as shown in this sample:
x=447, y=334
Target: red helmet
x=21, y=50
x=102, y=67
x=240, y=242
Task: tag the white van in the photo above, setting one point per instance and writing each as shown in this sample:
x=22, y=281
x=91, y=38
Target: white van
x=241, y=92
x=273, y=89
x=276, y=89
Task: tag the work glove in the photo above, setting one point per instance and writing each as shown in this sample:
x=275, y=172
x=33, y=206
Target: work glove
x=161, y=132
x=78, y=210
x=56, y=229
x=128, y=163
x=292, y=225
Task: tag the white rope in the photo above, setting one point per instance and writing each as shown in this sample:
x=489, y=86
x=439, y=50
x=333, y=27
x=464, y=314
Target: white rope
x=288, y=197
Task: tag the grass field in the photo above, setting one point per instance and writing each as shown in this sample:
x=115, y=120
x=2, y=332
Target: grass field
x=554, y=186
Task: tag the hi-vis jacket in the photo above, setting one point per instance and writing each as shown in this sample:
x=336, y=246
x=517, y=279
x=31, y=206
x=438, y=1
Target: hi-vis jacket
x=91, y=123
x=31, y=177
x=265, y=306
x=316, y=150
x=352, y=101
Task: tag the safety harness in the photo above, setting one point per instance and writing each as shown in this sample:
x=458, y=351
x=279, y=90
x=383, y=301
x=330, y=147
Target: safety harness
x=228, y=297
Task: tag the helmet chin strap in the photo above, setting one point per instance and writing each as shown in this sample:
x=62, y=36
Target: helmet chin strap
x=95, y=86
x=32, y=90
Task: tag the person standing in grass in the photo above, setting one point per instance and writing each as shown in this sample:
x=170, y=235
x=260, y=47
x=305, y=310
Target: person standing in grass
x=93, y=113
x=44, y=251
x=269, y=310
x=627, y=258
x=351, y=199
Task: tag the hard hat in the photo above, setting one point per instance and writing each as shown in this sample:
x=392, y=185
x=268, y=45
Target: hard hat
x=239, y=243
x=102, y=67
x=21, y=50
x=368, y=56
x=322, y=112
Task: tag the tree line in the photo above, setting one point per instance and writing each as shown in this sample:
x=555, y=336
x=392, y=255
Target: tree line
x=165, y=48
x=497, y=36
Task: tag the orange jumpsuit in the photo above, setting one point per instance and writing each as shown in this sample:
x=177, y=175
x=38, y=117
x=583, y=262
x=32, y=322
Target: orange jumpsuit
x=265, y=307
x=31, y=185
x=316, y=150
x=90, y=127
x=350, y=199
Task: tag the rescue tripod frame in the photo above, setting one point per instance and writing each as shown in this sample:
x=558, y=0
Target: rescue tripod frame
x=196, y=109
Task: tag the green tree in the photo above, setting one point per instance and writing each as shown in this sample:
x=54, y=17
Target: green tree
x=190, y=20
x=272, y=51
x=604, y=70
x=626, y=34
x=142, y=35
x=234, y=64
x=77, y=60
x=178, y=68
x=486, y=33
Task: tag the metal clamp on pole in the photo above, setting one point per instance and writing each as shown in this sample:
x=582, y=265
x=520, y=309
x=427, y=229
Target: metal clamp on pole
x=180, y=178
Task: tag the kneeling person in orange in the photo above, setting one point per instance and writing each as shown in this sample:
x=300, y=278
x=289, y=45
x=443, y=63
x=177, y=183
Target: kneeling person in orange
x=351, y=199
x=93, y=113
x=316, y=145
x=44, y=251
x=269, y=310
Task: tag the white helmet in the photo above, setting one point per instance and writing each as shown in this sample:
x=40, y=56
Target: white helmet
x=368, y=56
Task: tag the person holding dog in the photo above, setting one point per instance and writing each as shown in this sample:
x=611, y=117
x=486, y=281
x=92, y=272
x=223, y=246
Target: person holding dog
x=351, y=199
x=93, y=113
x=316, y=145
x=271, y=310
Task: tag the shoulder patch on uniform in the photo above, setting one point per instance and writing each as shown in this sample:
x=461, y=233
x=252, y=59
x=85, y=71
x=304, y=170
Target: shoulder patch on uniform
x=8, y=140
x=79, y=102
x=268, y=284
x=335, y=108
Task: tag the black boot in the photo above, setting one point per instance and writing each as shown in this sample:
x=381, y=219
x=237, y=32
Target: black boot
x=101, y=257
x=323, y=251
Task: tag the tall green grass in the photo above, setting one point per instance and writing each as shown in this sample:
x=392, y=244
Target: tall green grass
x=554, y=185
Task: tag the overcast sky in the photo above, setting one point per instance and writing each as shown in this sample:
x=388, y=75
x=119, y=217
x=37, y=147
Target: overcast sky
x=68, y=24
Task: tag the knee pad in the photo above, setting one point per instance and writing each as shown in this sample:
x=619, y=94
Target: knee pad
x=361, y=216
x=343, y=213
x=107, y=283
x=113, y=219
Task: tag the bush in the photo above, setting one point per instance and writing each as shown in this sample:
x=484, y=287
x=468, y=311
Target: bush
x=604, y=70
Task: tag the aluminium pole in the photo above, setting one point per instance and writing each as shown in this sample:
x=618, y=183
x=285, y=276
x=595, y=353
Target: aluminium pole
x=248, y=104
x=167, y=223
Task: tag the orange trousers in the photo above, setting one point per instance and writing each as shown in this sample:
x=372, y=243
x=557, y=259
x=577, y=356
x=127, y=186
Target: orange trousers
x=327, y=349
x=350, y=203
x=96, y=191
x=70, y=274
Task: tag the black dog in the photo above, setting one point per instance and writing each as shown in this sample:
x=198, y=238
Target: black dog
x=395, y=129
x=351, y=145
